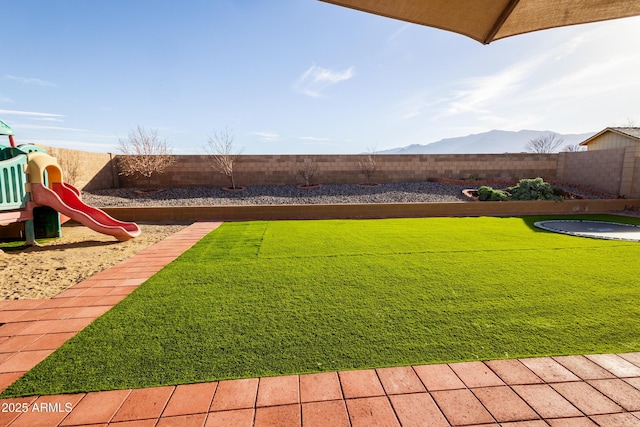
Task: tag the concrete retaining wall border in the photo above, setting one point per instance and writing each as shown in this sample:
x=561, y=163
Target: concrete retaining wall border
x=366, y=211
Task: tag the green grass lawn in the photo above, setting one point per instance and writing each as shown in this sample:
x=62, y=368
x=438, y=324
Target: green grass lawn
x=284, y=297
x=19, y=245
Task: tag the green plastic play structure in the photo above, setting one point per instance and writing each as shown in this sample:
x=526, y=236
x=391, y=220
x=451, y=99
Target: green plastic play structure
x=34, y=199
x=16, y=205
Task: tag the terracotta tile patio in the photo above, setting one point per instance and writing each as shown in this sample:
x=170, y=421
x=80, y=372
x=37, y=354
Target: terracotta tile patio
x=591, y=390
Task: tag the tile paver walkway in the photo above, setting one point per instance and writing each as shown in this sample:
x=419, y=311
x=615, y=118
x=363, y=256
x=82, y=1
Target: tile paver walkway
x=591, y=390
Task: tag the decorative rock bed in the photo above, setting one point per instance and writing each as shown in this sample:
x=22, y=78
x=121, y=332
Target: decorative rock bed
x=405, y=192
x=440, y=191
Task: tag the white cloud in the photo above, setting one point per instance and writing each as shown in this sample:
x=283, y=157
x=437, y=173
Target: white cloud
x=48, y=119
x=266, y=136
x=399, y=31
x=30, y=81
x=616, y=75
x=313, y=138
x=41, y=127
x=472, y=95
x=29, y=113
x=481, y=92
x=416, y=104
x=316, y=79
x=76, y=144
x=512, y=85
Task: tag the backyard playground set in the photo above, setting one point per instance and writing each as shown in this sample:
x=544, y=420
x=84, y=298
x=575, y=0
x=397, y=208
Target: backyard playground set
x=35, y=201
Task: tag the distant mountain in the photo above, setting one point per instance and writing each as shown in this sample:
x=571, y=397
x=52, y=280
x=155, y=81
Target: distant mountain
x=492, y=142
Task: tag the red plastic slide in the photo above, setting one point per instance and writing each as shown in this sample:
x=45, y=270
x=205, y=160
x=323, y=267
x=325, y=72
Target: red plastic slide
x=63, y=199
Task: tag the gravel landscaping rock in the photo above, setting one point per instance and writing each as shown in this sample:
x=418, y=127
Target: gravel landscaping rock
x=405, y=192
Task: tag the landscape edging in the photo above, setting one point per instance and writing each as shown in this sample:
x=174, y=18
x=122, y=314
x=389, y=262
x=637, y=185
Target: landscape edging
x=366, y=211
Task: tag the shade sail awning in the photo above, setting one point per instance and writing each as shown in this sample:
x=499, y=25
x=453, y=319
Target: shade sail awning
x=489, y=20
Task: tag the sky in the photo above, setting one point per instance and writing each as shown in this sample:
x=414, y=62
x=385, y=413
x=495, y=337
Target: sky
x=296, y=76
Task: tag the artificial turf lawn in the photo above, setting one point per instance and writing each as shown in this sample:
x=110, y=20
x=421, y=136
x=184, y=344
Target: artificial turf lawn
x=284, y=297
x=19, y=245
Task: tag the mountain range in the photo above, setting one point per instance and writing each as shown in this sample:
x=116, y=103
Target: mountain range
x=492, y=142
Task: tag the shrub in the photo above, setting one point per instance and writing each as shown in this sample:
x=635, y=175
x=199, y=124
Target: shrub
x=533, y=189
x=486, y=193
x=308, y=171
x=544, y=144
x=368, y=165
x=222, y=156
x=557, y=191
x=145, y=154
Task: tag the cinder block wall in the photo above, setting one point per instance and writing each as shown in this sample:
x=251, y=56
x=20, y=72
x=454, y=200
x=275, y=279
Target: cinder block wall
x=86, y=170
x=332, y=169
x=615, y=171
x=635, y=193
x=630, y=182
x=598, y=169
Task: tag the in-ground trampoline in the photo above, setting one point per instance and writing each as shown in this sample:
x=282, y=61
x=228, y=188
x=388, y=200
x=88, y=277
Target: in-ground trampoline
x=593, y=229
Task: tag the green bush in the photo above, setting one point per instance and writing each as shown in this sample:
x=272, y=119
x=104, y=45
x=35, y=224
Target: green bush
x=486, y=193
x=557, y=191
x=526, y=189
x=533, y=189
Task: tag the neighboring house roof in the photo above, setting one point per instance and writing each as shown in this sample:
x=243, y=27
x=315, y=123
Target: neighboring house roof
x=631, y=132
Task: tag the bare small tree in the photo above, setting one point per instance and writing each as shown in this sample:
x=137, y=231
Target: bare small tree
x=145, y=154
x=368, y=164
x=573, y=148
x=544, y=144
x=221, y=154
x=308, y=170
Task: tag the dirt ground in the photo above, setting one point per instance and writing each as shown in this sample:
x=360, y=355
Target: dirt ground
x=45, y=271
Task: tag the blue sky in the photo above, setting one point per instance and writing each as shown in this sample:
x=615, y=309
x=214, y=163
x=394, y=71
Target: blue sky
x=296, y=76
